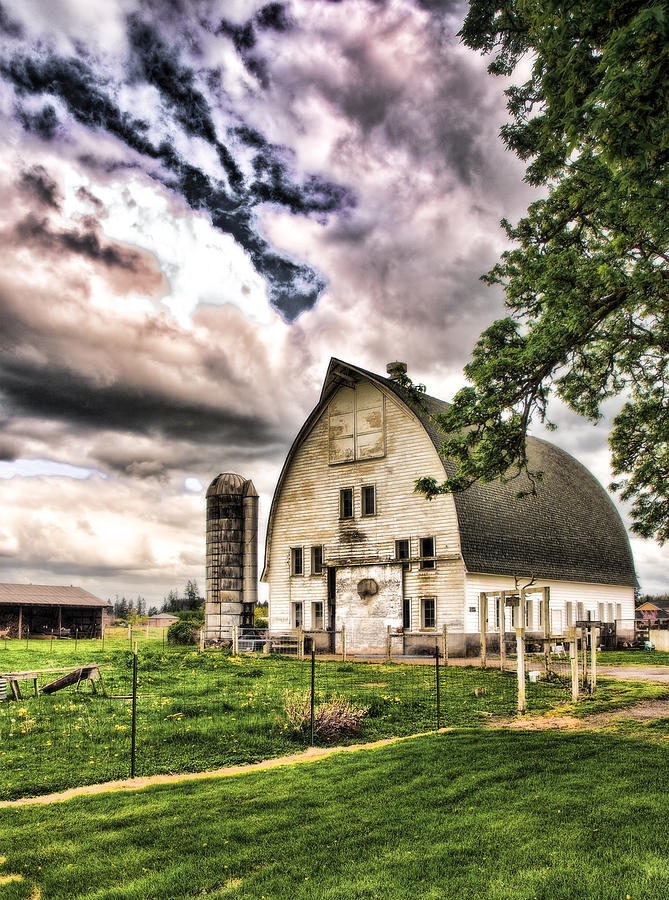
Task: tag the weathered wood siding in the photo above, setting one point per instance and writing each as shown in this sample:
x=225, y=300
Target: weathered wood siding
x=306, y=514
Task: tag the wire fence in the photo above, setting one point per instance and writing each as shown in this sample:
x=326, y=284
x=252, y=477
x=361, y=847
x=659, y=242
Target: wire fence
x=195, y=710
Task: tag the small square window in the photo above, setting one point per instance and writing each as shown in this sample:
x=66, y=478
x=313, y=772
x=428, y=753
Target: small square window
x=369, y=500
x=296, y=563
x=346, y=503
x=317, y=560
x=402, y=549
x=428, y=613
x=317, y=616
x=427, y=550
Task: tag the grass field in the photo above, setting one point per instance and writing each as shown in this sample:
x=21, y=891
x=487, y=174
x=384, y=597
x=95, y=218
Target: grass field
x=466, y=814
x=199, y=711
x=633, y=658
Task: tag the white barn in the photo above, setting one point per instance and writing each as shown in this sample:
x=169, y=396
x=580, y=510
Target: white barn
x=350, y=542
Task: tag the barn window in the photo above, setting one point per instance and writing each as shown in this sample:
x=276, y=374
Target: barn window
x=317, y=616
x=402, y=549
x=297, y=615
x=346, y=503
x=369, y=500
x=406, y=613
x=317, y=560
x=356, y=424
x=428, y=614
x=296, y=562
x=426, y=551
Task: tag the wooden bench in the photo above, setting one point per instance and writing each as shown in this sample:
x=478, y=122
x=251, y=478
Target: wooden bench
x=89, y=672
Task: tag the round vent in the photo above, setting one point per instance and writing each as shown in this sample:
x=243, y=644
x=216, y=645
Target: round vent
x=367, y=587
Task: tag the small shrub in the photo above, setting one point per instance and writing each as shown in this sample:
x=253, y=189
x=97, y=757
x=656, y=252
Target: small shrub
x=186, y=630
x=333, y=719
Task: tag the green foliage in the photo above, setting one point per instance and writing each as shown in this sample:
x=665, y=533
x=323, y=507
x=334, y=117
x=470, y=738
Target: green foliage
x=186, y=630
x=586, y=284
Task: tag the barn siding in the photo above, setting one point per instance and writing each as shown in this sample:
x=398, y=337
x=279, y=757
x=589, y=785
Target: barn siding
x=306, y=513
x=606, y=601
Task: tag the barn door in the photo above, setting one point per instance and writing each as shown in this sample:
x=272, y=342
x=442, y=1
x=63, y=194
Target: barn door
x=332, y=605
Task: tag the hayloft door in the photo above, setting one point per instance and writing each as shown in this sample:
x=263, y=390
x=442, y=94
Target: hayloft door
x=332, y=605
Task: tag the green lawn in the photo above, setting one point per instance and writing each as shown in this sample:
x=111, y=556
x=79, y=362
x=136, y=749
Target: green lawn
x=466, y=814
x=199, y=711
x=633, y=658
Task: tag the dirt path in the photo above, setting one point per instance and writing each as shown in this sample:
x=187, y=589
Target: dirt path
x=131, y=784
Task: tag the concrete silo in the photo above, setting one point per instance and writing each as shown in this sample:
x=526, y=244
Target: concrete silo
x=232, y=554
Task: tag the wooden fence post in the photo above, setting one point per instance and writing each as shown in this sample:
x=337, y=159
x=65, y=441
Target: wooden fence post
x=444, y=631
x=300, y=643
x=483, y=623
x=235, y=640
x=593, y=659
x=573, y=659
x=520, y=649
x=389, y=642
x=502, y=629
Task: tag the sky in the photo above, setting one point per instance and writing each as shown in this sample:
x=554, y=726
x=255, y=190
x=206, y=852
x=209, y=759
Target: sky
x=204, y=201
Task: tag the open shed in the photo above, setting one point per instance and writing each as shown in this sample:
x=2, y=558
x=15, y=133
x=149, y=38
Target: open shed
x=48, y=609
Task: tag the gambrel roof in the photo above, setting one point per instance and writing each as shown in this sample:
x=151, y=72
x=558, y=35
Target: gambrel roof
x=569, y=531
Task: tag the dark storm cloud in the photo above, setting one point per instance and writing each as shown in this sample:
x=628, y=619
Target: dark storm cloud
x=264, y=178
x=39, y=183
x=43, y=123
x=61, y=394
x=36, y=231
x=8, y=26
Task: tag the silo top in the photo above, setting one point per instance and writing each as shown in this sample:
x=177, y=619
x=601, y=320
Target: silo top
x=227, y=483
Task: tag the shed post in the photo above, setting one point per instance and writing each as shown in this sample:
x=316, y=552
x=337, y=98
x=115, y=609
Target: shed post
x=444, y=631
x=60, y=620
x=520, y=649
x=502, y=629
x=343, y=642
x=593, y=659
x=389, y=641
x=483, y=622
x=573, y=659
x=20, y=621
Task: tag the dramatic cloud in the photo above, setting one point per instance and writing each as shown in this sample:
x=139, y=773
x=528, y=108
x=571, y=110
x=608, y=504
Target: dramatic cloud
x=202, y=202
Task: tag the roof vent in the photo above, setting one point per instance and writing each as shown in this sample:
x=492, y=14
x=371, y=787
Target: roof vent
x=396, y=370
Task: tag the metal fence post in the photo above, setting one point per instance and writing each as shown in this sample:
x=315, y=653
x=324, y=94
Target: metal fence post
x=436, y=667
x=445, y=643
x=134, y=710
x=313, y=691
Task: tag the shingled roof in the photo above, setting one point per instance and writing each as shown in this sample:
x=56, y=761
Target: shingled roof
x=47, y=595
x=569, y=531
